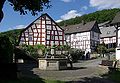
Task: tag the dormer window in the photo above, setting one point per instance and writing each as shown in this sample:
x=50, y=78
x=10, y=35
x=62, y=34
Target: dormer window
x=114, y=31
x=108, y=32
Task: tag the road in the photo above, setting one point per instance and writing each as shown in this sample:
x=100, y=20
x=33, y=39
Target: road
x=82, y=71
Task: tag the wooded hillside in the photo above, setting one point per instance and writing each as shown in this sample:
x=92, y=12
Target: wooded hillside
x=99, y=16
x=13, y=35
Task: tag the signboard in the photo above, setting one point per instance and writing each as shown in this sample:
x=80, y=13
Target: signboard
x=118, y=53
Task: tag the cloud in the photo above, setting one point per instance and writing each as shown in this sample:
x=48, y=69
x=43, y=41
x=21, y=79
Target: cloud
x=84, y=8
x=58, y=20
x=105, y=4
x=66, y=1
x=18, y=27
x=69, y=15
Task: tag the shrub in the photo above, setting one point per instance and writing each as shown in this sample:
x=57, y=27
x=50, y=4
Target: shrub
x=62, y=47
x=111, y=50
x=33, y=50
x=76, y=54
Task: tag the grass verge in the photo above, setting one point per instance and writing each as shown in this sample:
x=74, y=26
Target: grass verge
x=31, y=80
x=115, y=76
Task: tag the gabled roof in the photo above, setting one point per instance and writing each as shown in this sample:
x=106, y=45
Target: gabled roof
x=108, y=32
x=107, y=23
x=78, y=28
x=34, y=23
x=45, y=14
x=116, y=19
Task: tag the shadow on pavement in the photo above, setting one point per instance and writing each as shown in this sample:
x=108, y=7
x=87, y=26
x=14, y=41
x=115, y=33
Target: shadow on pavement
x=26, y=72
x=92, y=80
x=76, y=68
x=25, y=75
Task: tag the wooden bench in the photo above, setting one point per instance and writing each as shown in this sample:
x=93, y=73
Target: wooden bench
x=114, y=67
x=106, y=63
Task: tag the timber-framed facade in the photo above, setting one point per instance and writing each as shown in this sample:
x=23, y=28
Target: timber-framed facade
x=84, y=36
x=44, y=30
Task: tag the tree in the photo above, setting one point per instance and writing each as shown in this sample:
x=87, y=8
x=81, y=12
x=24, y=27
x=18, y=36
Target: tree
x=101, y=49
x=23, y=6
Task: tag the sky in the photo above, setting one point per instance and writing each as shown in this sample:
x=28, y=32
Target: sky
x=60, y=10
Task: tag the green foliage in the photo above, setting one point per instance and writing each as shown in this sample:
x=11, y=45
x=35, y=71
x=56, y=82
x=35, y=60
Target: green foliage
x=33, y=6
x=13, y=35
x=6, y=50
x=31, y=80
x=76, y=53
x=33, y=50
x=23, y=6
x=99, y=16
x=115, y=76
x=101, y=49
x=111, y=50
x=66, y=47
x=42, y=47
x=62, y=47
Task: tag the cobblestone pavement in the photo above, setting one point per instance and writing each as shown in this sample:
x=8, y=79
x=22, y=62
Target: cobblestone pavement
x=83, y=72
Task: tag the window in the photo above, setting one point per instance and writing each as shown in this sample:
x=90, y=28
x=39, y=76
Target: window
x=30, y=37
x=98, y=36
x=74, y=36
x=52, y=37
x=92, y=34
x=114, y=31
x=108, y=32
x=92, y=43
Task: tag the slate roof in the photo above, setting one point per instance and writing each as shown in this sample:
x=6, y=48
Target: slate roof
x=107, y=23
x=116, y=19
x=45, y=14
x=108, y=31
x=78, y=28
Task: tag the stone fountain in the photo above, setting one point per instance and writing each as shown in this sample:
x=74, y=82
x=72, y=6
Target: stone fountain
x=52, y=63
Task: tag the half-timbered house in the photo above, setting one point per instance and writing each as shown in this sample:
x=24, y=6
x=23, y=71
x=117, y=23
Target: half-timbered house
x=44, y=30
x=116, y=23
x=84, y=36
x=108, y=34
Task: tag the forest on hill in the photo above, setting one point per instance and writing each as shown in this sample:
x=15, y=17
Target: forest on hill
x=12, y=34
x=99, y=16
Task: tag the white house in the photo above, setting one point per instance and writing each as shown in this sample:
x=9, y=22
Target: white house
x=44, y=30
x=116, y=24
x=84, y=36
x=108, y=34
